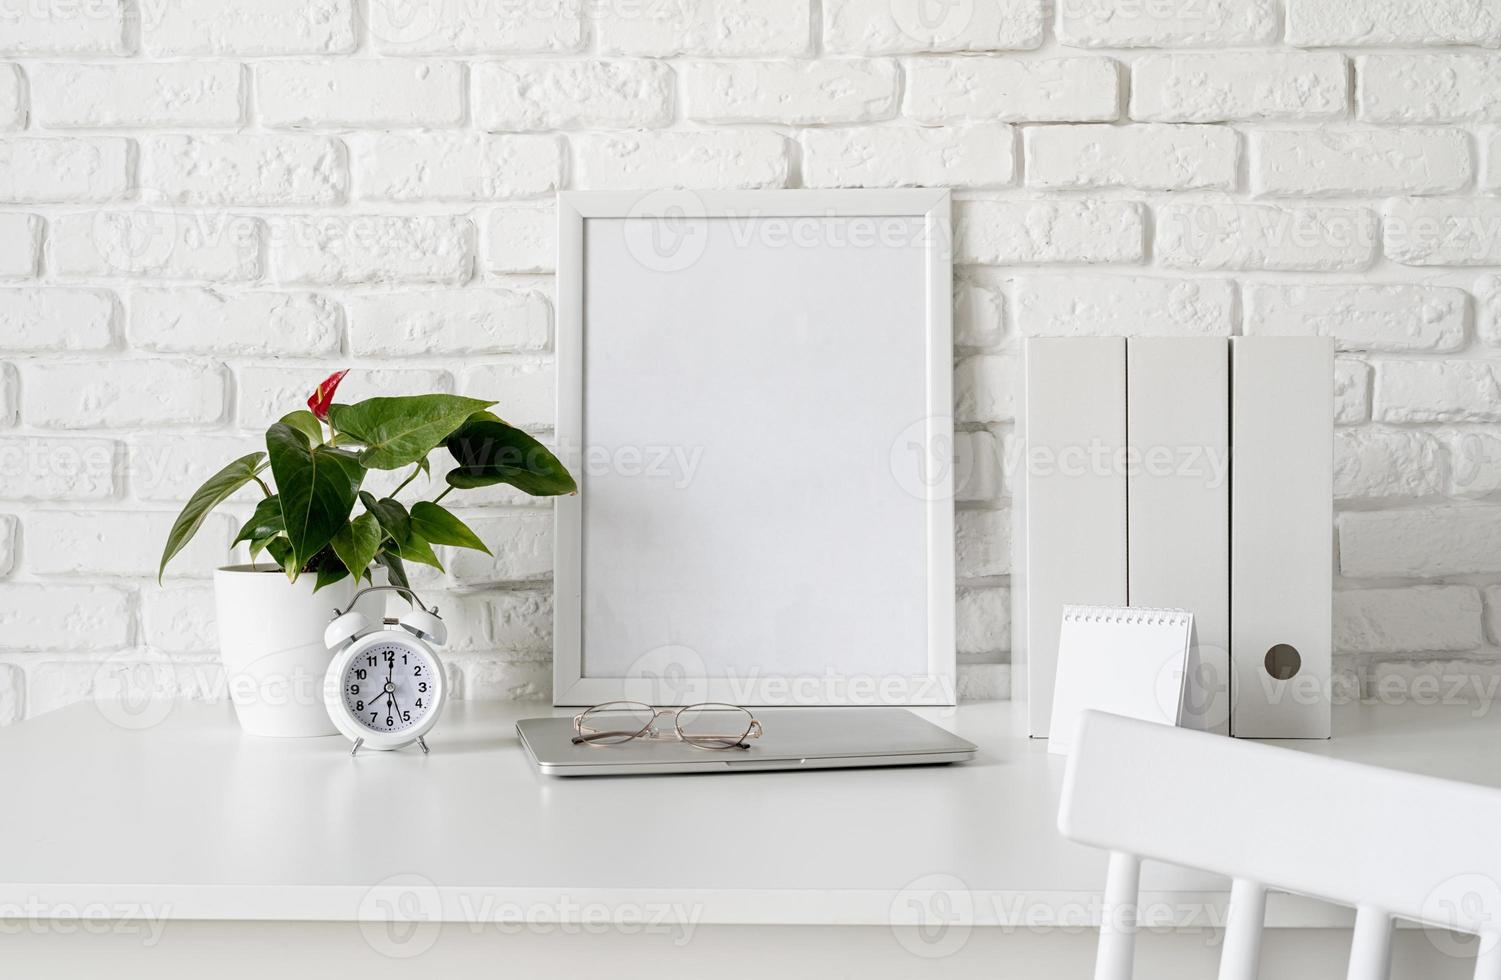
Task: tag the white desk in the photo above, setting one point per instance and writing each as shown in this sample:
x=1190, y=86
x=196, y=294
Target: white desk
x=190, y=829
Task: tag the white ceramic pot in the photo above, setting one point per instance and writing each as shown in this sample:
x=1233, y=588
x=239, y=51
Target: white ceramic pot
x=271, y=641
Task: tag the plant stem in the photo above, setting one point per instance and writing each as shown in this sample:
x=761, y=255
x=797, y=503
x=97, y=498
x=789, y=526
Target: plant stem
x=446, y=492
x=264, y=488
x=409, y=479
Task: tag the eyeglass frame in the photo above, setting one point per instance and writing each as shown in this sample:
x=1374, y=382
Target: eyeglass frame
x=650, y=731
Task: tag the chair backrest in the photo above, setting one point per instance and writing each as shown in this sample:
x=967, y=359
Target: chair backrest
x=1390, y=844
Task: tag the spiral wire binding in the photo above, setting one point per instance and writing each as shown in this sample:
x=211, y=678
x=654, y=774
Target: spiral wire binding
x=1128, y=615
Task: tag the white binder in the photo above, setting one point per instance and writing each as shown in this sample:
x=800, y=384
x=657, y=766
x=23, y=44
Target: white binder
x=1281, y=550
x=1069, y=502
x=1178, y=502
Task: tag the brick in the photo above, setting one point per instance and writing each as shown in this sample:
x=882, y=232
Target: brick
x=984, y=682
x=984, y=388
x=360, y=93
x=979, y=309
x=123, y=543
x=1058, y=231
x=982, y=543
x=63, y=170
x=1265, y=237
x=977, y=466
x=347, y=249
x=244, y=170
x=122, y=393
x=1322, y=23
x=982, y=620
x=265, y=394
x=20, y=245
x=1150, y=157
x=1438, y=391
x=230, y=27
x=498, y=679
x=1372, y=463
x=1442, y=231
x=1166, y=24
x=707, y=28
x=170, y=468
x=1422, y=543
x=12, y=694
x=12, y=98
x=521, y=240
x=1233, y=85
x=890, y=156
x=155, y=243
x=1424, y=618
x=1131, y=306
x=469, y=167
x=210, y=321
x=60, y=27
x=475, y=26
x=131, y=676
x=795, y=93
x=522, y=387
x=184, y=94
x=1493, y=612
x=47, y=468
x=1490, y=178
x=46, y=319
x=1474, y=460
x=9, y=391
x=881, y=27
x=725, y=159
x=63, y=617
x=1359, y=316
x=520, y=623
x=1488, y=314
x=1352, y=391
x=1338, y=163
x=525, y=95
x=10, y=540
x=1054, y=90
x=522, y=547
x=1394, y=88
x=180, y=619
x=462, y=321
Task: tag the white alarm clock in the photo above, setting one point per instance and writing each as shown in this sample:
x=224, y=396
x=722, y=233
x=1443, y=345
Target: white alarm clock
x=385, y=687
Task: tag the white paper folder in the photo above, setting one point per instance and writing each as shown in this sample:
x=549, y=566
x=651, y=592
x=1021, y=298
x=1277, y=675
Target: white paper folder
x=1069, y=502
x=1178, y=503
x=1281, y=546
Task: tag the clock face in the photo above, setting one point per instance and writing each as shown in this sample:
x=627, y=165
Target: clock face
x=390, y=687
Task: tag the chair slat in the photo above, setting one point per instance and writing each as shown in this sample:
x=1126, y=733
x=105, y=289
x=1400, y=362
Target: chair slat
x=1240, y=957
x=1371, y=947
x=1116, y=958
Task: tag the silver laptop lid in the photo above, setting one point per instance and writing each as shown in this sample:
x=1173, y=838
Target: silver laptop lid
x=793, y=738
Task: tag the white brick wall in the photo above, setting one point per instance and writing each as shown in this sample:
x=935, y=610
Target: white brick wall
x=207, y=205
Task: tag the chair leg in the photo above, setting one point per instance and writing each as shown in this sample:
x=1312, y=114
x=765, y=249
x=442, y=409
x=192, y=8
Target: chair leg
x=1115, y=960
x=1371, y=949
x=1240, y=958
x=1488, y=960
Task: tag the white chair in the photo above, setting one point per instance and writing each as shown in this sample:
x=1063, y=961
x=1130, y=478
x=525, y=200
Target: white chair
x=1390, y=844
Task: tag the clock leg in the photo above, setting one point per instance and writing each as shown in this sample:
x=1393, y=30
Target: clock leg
x=422, y=742
x=357, y=743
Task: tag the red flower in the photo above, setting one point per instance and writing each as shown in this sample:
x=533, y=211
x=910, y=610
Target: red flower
x=324, y=395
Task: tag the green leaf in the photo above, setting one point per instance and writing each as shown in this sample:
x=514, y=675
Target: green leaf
x=217, y=489
x=489, y=451
x=357, y=542
x=394, y=569
x=439, y=526
x=394, y=519
x=317, y=484
x=399, y=431
x=280, y=550
x=263, y=523
x=257, y=545
x=307, y=423
x=330, y=570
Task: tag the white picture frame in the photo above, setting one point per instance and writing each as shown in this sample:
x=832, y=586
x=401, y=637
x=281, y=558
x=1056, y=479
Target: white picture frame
x=738, y=584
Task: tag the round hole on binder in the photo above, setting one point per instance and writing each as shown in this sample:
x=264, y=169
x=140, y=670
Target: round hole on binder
x=1283, y=661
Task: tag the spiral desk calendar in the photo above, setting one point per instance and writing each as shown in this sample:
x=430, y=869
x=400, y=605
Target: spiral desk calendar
x=1128, y=661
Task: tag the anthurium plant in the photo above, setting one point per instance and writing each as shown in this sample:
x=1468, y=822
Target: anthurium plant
x=318, y=460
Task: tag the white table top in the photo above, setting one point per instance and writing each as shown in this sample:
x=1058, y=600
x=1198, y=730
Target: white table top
x=195, y=820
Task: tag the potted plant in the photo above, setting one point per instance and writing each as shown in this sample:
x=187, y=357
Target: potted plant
x=271, y=615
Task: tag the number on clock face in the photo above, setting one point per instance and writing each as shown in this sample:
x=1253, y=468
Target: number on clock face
x=389, y=688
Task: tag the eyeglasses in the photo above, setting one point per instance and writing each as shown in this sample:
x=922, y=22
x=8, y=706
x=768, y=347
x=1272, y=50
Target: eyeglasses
x=710, y=725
